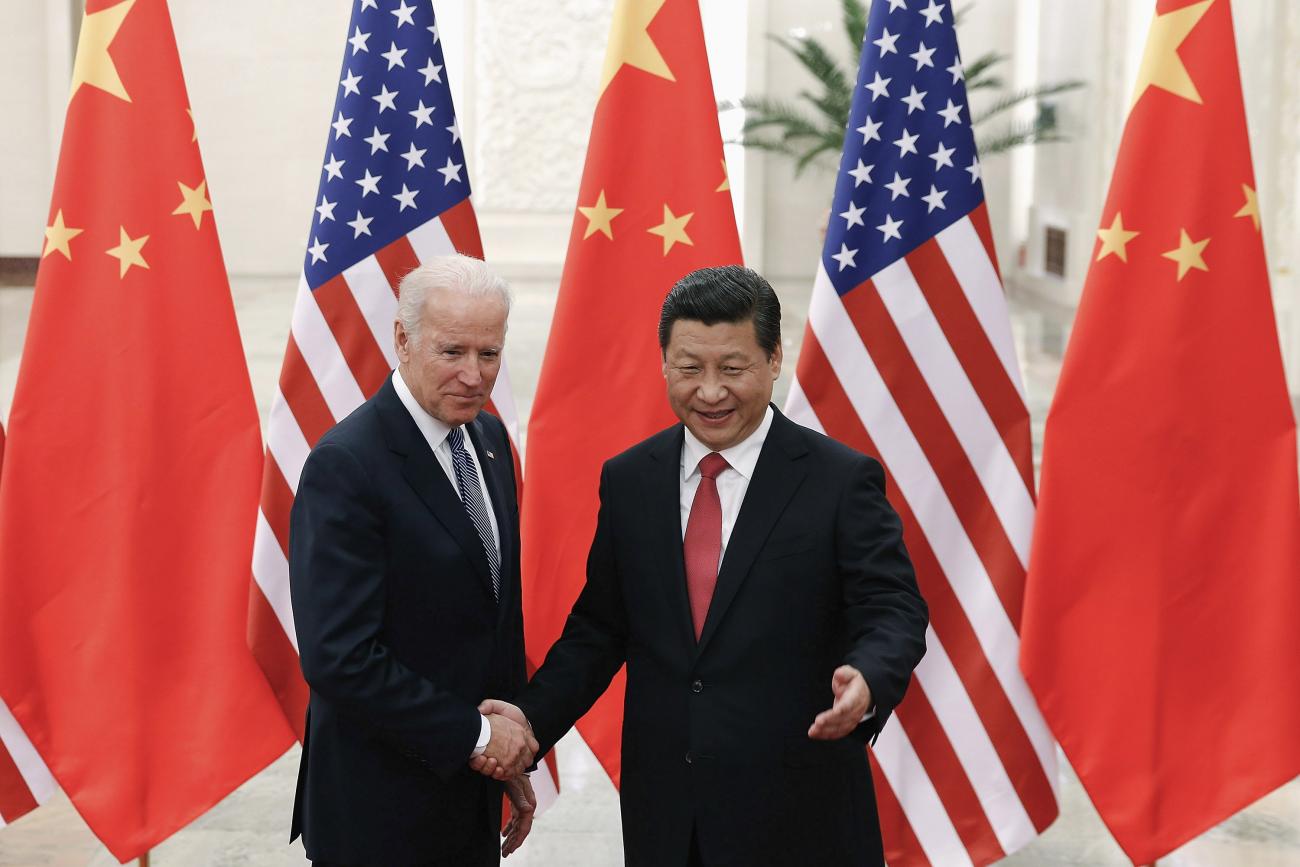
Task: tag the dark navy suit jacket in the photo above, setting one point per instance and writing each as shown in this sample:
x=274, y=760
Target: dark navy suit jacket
x=400, y=638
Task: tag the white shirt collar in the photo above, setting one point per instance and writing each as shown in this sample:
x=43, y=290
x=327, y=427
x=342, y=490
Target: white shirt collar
x=434, y=431
x=742, y=457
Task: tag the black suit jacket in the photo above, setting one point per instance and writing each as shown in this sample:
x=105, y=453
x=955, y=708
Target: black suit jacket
x=400, y=638
x=715, y=733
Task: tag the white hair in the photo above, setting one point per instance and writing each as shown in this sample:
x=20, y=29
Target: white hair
x=462, y=274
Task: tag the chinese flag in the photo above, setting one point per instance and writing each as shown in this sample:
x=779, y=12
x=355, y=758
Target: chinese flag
x=131, y=475
x=1160, y=614
x=654, y=205
x=24, y=780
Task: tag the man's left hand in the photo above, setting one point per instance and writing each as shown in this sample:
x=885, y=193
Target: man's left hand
x=523, y=803
x=852, y=699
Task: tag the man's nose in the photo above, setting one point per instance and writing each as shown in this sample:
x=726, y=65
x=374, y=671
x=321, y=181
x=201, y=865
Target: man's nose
x=712, y=388
x=470, y=372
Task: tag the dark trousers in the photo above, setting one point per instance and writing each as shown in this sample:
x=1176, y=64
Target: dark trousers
x=695, y=859
x=479, y=850
x=480, y=847
x=484, y=852
x=478, y=857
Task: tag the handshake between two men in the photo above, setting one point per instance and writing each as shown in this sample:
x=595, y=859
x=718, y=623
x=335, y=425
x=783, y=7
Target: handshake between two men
x=509, y=753
x=748, y=571
x=511, y=749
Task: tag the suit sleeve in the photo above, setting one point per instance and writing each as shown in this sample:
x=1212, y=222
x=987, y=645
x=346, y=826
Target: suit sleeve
x=336, y=569
x=592, y=647
x=885, y=616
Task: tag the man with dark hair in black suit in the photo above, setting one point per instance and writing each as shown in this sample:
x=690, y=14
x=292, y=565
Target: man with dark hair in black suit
x=752, y=576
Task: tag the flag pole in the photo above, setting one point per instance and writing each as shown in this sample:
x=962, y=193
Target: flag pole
x=143, y=860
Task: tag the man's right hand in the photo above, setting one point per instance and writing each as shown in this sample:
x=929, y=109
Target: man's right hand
x=511, y=747
x=507, y=717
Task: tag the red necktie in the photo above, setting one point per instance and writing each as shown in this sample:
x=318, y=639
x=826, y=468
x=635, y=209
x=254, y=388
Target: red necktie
x=702, y=547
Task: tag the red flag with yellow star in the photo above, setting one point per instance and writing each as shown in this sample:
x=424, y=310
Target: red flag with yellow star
x=132, y=467
x=654, y=205
x=1159, y=629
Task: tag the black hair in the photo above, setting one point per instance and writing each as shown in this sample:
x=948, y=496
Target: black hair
x=727, y=293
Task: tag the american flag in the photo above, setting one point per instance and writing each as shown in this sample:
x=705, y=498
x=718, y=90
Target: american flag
x=25, y=781
x=394, y=191
x=908, y=356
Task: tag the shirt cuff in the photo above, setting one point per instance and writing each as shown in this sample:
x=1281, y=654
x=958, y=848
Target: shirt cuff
x=484, y=735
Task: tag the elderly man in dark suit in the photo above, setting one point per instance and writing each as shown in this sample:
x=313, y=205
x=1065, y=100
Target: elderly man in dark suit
x=404, y=571
x=752, y=576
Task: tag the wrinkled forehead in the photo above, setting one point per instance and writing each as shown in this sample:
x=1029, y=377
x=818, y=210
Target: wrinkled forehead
x=453, y=310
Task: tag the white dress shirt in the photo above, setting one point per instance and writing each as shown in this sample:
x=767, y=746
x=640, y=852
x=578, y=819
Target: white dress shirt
x=435, y=433
x=732, y=482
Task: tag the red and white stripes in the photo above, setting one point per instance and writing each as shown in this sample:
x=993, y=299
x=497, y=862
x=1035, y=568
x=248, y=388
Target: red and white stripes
x=917, y=366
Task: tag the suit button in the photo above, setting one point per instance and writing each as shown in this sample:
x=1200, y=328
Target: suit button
x=697, y=686
x=690, y=757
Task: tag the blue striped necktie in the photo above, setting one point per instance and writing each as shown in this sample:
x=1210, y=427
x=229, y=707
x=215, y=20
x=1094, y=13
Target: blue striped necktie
x=471, y=496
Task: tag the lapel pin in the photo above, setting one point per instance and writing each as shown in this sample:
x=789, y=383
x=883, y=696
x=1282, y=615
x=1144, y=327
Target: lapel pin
x=490, y=455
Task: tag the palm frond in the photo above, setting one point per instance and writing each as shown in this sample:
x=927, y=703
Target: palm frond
x=768, y=145
x=1014, y=135
x=818, y=61
x=978, y=71
x=1019, y=97
x=812, y=154
x=854, y=15
x=834, y=107
x=762, y=112
x=782, y=127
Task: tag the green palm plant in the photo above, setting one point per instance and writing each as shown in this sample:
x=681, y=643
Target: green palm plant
x=810, y=130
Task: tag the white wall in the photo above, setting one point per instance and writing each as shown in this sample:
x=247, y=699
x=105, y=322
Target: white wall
x=1069, y=181
x=536, y=67
x=35, y=60
x=1102, y=42
x=260, y=79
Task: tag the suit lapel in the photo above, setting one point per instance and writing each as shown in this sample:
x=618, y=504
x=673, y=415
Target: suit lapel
x=489, y=459
x=663, y=490
x=426, y=477
x=777, y=476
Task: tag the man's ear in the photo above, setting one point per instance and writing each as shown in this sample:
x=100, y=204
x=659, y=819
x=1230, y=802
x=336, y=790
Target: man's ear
x=775, y=362
x=401, y=342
